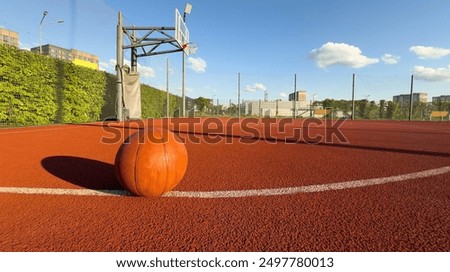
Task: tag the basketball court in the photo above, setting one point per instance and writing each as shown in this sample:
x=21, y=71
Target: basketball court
x=386, y=189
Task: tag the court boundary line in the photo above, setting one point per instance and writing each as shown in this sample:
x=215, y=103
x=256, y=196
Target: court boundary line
x=237, y=193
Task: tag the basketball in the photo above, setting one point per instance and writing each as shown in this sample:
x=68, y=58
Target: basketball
x=151, y=162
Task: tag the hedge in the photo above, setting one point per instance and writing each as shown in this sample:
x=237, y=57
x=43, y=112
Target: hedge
x=39, y=90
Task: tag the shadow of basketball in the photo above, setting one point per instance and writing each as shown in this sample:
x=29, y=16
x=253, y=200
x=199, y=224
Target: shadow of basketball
x=87, y=173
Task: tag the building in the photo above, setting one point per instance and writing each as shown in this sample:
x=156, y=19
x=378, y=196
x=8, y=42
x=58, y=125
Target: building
x=84, y=59
x=301, y=96
x=405, y=98
x=9, y=37
x=277, y=108
x=77, y=57
x=54, y=52
x=442, y=98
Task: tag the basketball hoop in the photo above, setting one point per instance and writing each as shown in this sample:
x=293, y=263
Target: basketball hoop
x=190, y=48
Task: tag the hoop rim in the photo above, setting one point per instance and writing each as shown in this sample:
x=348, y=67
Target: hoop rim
x=190, y=48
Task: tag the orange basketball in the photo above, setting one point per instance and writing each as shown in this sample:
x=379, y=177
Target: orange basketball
x=151, y=162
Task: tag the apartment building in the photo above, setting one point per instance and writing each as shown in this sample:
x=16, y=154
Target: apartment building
x=300, y=95
x=442, y=98
x=72, y=55
x=405, y=98
x=9, y=37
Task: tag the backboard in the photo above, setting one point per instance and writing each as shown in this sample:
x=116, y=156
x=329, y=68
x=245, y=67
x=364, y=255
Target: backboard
x=181, y=31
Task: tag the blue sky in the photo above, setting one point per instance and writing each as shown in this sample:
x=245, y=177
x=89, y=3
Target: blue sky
x=324, y=42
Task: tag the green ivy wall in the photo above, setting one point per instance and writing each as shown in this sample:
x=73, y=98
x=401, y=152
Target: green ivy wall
x=39, y=90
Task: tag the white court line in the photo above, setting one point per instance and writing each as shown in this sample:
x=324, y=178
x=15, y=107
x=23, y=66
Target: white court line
x=311, y=188
x=239, y=193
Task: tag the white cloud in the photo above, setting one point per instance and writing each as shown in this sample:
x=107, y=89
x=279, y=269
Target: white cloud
x=340, y=54
x=431, y=74
x=146, y=71
x=390, y=59
x=429, y=52
x=255, y=87
x=24, y=46
x=110, y=66
x=105, y=66
x=197, y=64
x=283, y=94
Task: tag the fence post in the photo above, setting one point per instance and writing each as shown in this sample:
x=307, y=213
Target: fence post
x=411, y=99
x=239, y=95
x=353, y=97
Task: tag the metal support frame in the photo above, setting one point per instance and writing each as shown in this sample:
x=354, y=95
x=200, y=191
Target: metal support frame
x=183, y=85
x=167, y=89
x=119, y=66
x=154, y=42
x=148, y=46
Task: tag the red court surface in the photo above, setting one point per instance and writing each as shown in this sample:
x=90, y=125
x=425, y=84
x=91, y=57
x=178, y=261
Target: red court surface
x=256, y=188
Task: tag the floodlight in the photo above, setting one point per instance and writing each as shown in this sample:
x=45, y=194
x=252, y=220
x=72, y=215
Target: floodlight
x=188, y=8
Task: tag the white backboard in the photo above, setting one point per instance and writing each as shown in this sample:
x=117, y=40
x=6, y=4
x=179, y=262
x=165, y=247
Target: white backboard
x=181, y=31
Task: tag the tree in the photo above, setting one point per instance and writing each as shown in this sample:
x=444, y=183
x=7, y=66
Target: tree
x=382, y=108
x=362, y=107
x=233, y=109
x=391, y=110
x=421, y=111
x=372, y=110
x=203, y=103
x=441, y=106
x=328, y=103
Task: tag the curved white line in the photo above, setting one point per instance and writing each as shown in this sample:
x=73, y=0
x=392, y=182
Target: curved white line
x=310, y=188
x=238, y=193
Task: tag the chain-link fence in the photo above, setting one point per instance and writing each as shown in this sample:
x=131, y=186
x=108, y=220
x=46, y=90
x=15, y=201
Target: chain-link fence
x=368, y=97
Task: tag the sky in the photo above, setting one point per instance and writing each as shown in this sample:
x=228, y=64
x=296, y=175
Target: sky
x=275, y=45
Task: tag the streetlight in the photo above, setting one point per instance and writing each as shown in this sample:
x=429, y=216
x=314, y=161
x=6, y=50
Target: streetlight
x=41, y=24
x=311, y=106
x=187, y=10
x=40, y=31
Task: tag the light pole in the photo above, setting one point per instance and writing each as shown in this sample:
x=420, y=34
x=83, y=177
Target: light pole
x=276, y=107
x=311, y=107
x=187, y=10
x=41, y=24
x=40, y=31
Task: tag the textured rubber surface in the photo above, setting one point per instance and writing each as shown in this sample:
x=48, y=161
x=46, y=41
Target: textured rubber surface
x=410, y=215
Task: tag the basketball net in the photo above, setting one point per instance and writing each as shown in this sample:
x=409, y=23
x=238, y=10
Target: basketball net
x=190, y=48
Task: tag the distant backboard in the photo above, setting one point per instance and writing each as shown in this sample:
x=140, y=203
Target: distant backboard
x=181, y=31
